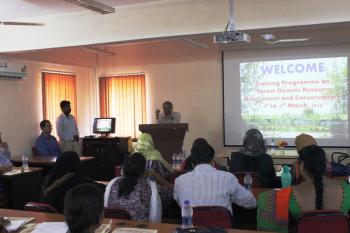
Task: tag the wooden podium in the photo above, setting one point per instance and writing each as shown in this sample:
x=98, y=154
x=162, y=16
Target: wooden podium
x=167, y=138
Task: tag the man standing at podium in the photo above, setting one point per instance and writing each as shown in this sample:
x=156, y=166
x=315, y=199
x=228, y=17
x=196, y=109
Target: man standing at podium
x=168, y=116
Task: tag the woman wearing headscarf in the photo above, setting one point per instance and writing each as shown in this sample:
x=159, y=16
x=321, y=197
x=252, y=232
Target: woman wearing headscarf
x=155, y=161
x=301, y=141
x=304, y=140
x=62, y=178
x=253, y=158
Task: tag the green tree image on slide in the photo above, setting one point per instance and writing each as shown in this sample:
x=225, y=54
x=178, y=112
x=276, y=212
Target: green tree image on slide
x=249, y=77
x=281, y=108
x=338, y=77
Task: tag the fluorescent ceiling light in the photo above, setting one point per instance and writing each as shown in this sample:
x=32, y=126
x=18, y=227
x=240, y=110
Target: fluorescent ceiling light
x=287, y=40
x=13, y=23
x=95, y=50
x=93, y=5
x=195, y=43
x=268, y=36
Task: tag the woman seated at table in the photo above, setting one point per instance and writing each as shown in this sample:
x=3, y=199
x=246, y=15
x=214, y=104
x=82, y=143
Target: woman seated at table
x=302, y=141
x=133, y=191
x=155, y=161
x=83, y=208
x=188, y=164
x=5, y=155
x=317, y=192
x=5, y=166
x=253, y=158
x=63, y=176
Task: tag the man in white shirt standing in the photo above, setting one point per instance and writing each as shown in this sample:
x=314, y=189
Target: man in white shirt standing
x=206, y=186
x=168, y=116
x=67, y=129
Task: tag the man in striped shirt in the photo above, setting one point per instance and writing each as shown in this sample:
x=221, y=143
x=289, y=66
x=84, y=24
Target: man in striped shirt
x=206, y=186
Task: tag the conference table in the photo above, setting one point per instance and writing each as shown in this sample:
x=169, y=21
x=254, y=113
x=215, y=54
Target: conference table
x=116, y=223
x=87, y=164
x=281, y=156
x=22, y=186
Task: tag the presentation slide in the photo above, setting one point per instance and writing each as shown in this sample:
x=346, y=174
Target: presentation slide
x=284, y=98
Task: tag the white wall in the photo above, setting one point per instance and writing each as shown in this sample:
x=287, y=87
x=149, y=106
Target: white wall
x=193, y=87
x=21, y=105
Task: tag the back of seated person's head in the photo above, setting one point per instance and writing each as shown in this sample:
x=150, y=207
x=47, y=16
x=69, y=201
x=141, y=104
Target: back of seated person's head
x=197, y=144
x=145, y=142
x=253, y=143
x=83, y=208
x=303, y=140
x=204, y=153
x=313, y=163
x=67, y=162
x=133, y=168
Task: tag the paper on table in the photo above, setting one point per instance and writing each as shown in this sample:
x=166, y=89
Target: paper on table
x=13, y=172
x=104, y=228
x=52, y=227
x=15, y=225
x=134, y=230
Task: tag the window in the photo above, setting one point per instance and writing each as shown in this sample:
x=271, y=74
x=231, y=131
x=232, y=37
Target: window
x=57, y=87
x=124, y=98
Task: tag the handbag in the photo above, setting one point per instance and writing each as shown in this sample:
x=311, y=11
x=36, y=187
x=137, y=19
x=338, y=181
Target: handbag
x=155, y=212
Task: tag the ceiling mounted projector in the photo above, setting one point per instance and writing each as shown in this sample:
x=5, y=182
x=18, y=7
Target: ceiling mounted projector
x=230, y=37
x=93, y=6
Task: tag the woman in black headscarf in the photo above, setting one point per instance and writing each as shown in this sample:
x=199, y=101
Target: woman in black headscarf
x=62, y=178
x=253, y=158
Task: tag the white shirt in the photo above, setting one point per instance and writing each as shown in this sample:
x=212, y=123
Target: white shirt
x=206, y=186
x=176, y=118
x=66, y=127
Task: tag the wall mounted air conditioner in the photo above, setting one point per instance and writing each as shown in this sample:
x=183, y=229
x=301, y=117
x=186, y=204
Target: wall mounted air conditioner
x=12, y=70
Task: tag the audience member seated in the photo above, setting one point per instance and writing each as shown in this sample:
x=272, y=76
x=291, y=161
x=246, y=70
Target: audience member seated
x=188, y=164
x=207, y=186
x=154, y=159
x=46, y=144
x=63, y=176
x=132, y=191
x=302, y=141
x=4, y=148
x=5, y=166
x=83, y=208
x=317, y=192
x=253, y=158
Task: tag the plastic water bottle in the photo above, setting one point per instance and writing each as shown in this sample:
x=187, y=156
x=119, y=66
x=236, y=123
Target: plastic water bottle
x=149, y=165
x=248, y=181
x=187, y=213
x=25, y=166
x=273, y=147
x=174, y=158
x=286, y=177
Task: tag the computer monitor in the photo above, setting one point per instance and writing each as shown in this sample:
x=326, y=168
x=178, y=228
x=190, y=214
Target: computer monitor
x=104, y=125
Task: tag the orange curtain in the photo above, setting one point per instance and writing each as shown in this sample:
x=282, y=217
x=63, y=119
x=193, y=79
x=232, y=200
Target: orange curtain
x=124, y=98
x=57, y=87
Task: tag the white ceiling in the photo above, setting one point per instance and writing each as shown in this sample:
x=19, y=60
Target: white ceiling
x=17, y=9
